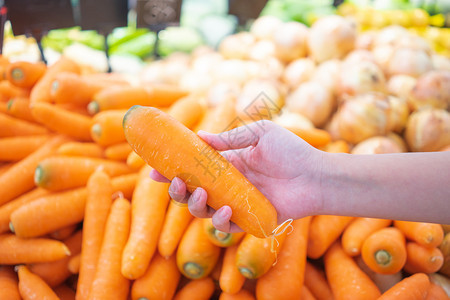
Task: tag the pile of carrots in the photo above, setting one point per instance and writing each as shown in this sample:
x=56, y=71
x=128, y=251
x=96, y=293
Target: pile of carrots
x=80, y=218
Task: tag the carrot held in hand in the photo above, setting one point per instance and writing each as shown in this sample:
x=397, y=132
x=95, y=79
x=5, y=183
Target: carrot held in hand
x=25, y=74
x=31, y=286
x=426, y=234
x=384, y=251
x=414, y=287
x=9, y=288
x=174, y=150
x=421, y=259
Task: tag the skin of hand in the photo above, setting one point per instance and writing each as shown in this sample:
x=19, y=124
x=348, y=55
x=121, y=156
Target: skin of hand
x=283, y=167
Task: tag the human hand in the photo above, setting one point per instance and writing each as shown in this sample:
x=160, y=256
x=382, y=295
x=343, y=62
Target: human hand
x=282, y=166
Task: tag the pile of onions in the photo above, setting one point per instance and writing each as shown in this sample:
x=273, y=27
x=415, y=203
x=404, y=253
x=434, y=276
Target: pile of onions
x=366, y=40
x=364, y=116
x=237, y=46
x=390, y=35
x=409, y=61
x=428, y=130
x=298, y=71
x=313, y=101
x=264, y=27
x=431, y=90
x=357, y=56
x=399, y=113
x=327, y=74
x=361, y=77
x=401, y=85
x=382, y=55
x=290, y=41
x=377, y=145
x=262, y=50
x=331, y=37
x=222, y=91
x=289, y=119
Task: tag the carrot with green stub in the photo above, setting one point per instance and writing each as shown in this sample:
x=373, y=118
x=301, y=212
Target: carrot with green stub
x=19, y=178
x=108, y=282
x=427, y=234
x=58, y=173
x=148, y=209
x=25, y=74
x=197, y=289
x=414, y=287
x=174, y=150
x=220, y=238
x=81, y=149
x=285, y=279
x=62, y=120
x=358, y=230
x=9, y=288
x=106, y=129
x=19, y=147
x=98, y=205
x=230, y=279
x=384, y=251
x=323, y=231
x=196, y=255
x=421, y=259
x=346, y=279
x=317, y=283
x=15, y=250
x=177, y=220
x=31, y=286
x=20, y=108
x=159, y=281
x=118, y=152
x=12, y=126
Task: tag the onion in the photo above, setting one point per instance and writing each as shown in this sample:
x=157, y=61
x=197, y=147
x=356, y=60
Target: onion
x=259, y=99
x=264, y=27
x=409, y=61
x=331, y=37
x=382, y=55
x=313, y=101
x=289, y=119
x=440, y=62
x=401, y=85
x=361, y=77
x=262, y=50
x=221, y=91
x=431, y=90
x=428, y=130
x=357, y=56
x=365, y=41
x=237, y=46
x=290, y=41
x=231, y=70
x=332, y=127
x=398, y=114
x=206, y=63
x=270, y=68
x=401, y=143
x=194, y=81
x=298, y=71
x=364, y=116
x=153, y=73
x=390, y=35
x=376, y=145
x=327, y=74
x=414, y=42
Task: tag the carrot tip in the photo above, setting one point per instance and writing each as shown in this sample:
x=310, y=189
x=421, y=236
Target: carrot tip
x=9, y=104
x=67, y=251
x=247, y=273
x=93, y=108
x=17, y=73
x=55, y=86
x=96, y=130
x=11, y=227
x=38, y=175
x=221, y=236
x=382, y=257
x=193, y=270
x=142, y=298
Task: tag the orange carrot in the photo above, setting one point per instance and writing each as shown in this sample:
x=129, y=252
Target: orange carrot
x=346, y=279
x=255, y=256
x=20, y=108
x=148, y=209
x=12, y=126
x=49, y=213
x=196, y=255
x=220, y=238
x=25, y=74
x=445, y=248
x=339, y=146
x=98, y=204
x=188, y=111
x=384, y=251
x=427, y=234
x=109, y=283
x=19, y=147
x=323, y=231
x=358, y=230
x=63, y=172
x=56, y=272
x=64, y=292
x=316, y=282
x=154, y=134
x=196, y=289
x=383, y=281
x=16, y=250
x=19, y=178
x=306, y=294
x=106, y=129
x=9, y=91
x=118, y=152
x=63, y=121
x=314, y=136
x=74, y=264
x=9, y=288
x=285, y=279
x=134, y=161
x=81, y=149
x=31, y=286
x=436, y=292
x=219, y=119
x=7, y=208
x=241, y=295
x=41, y=90
x=177, y=220
x=5, y=166
x=230, y=280
x=421, y=259
x=414, y=287
x=63, y=233
x=160, y=280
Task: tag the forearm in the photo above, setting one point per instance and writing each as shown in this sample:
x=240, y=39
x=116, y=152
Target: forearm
x=405, y=186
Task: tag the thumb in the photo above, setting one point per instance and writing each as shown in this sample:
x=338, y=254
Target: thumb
x=237, y=138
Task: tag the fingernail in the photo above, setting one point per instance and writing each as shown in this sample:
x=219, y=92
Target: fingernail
x=196, y=195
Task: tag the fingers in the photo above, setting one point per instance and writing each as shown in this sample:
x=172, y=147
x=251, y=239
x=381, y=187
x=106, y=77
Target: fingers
x=178, y=191
x=156, y=176
x=221, y=220
x=197, y=204
x=237, y=138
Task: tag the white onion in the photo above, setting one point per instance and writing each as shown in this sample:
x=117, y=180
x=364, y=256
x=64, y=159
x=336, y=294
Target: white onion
x=237, y=46
x=206, y=63
x=390, y=35
x=313, y=101
x=361, y=77
x=264, y=27
x=290, y=40
x=221, y=91
x=414, y=42
x=153, y=73
x=332, y=127
x=432, y=89
x=331, y=37
x=195, y=82
x=382, y=55
x=262, y=50
x=270, y=68
x=366, y=40
x=357, y=56
x=440, y=62
x=399, y=113
x=289, y=119
x=298, y=71
x=327, y=74
x=401, y=85
x=231, y=70
x=428, y=130
x=376, y=145
x=409, y=61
